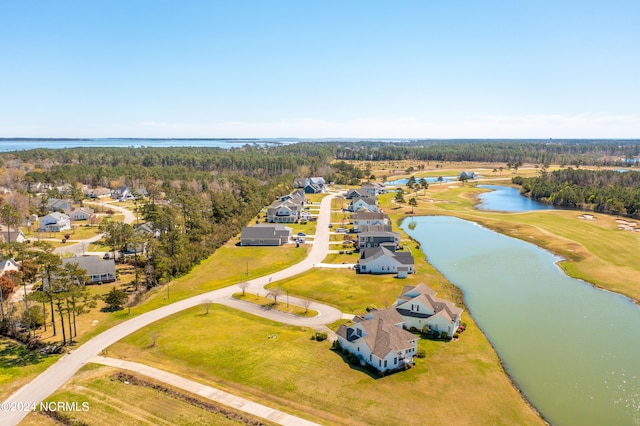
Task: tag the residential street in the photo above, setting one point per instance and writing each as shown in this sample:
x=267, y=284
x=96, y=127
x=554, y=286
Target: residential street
x=60, y=372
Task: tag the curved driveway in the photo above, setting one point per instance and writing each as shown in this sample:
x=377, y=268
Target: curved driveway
x=56, y=375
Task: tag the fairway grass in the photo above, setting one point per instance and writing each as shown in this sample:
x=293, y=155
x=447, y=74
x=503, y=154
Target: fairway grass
x=235, y=351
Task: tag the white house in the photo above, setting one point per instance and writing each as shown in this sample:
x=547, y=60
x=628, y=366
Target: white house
x=55, y=222
x=378, y=339
x=7, y=265
x=369, y=218
x=13, y=235
x=363, y=204
x=419, y=307
x=287, y=211
x=381, y=260
x=82, y=213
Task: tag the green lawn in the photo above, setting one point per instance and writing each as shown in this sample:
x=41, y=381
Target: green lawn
x=140, y=401
x=19, y=365
x=238, y=352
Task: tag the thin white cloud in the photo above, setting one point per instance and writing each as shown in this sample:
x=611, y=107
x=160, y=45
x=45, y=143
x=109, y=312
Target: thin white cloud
x=521, y=126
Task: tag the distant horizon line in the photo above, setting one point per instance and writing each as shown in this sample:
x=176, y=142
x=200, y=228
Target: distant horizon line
x=26, y=139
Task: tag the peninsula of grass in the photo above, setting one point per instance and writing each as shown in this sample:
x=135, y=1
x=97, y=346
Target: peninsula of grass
x=268, y=303
x=281, y=367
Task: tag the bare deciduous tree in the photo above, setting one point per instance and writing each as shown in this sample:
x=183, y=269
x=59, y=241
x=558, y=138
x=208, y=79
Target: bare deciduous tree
x=275, y=292
x=243, y=286
x=305, y=305
x=207, y=304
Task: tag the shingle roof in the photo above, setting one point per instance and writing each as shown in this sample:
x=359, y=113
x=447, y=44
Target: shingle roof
x=93, y=264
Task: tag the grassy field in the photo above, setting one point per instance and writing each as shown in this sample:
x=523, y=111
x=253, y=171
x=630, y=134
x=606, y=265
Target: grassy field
x=595, y=250
x=18, y=366
x=139, y=401
x=459, y=380
x=282, y=305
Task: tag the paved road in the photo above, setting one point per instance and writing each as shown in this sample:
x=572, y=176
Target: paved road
x=80, y=248
x=208, y=392
x=60, y=372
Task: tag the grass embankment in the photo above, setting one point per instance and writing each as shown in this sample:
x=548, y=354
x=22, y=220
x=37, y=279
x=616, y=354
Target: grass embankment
x=238, y=352
x=227, y=266
x=594, y=250
x=112, y=397
x=268, y=303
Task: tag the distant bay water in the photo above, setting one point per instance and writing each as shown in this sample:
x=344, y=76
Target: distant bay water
x=7, y=145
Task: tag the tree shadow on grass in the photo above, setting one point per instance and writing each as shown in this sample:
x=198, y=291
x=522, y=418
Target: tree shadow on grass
x=15, y=355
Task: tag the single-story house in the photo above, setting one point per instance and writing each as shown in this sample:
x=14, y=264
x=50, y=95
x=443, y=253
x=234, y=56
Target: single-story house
x=13, y=235
x=7, y=265
x=98, y=270
x=265, y=235
x=382, y=260
x=82, y=213
x=356, y=193
x=99, y=192
x=366, y=204
x=375, y=239
x=467, y=175
x=420, y=308
x=55, y=222
x=58, y=205
x=378, y=339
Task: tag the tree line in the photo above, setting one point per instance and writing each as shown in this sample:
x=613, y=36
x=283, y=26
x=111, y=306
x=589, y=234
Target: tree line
x=603, y=191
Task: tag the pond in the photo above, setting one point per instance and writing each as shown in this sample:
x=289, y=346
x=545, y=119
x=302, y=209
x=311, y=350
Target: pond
x=572, y=349
x=430, y=180
x=507, y=199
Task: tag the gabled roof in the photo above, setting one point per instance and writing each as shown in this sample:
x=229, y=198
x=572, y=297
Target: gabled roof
x=369, y=216
x=369, y=254
x=263, y=231
x=366, y=200
x=425, y=295
x=94, y=265
x=379, y=335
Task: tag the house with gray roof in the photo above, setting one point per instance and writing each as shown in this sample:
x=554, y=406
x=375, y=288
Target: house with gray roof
x=383, y=260
x=420, y=308
x=98, y=270
x=55, y=222
x=366, y=204
x=58, y=205
x=265, y=235
x=375, y=239
x=287, y=211
x=379, y=340
x=12, y=236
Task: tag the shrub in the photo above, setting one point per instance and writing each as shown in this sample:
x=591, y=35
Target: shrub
x=413, y=329
x=321, y=336
x=421, y=353
x=313, y=337
x=371, y=308
x=336, y=345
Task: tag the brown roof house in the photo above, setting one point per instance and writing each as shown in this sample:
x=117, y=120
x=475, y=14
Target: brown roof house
x=265, y=235
x=379, y=340
x=420, y=308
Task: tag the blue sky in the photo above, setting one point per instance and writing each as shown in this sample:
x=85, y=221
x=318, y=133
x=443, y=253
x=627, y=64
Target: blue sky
x=387, y=69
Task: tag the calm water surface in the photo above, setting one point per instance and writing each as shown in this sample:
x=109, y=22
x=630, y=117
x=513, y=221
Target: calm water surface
x=507, y=199
x=573, y=350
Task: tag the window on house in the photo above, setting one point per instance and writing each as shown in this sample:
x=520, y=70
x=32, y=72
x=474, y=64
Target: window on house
x=359, y=332
x=395, y=360
x=385, y=363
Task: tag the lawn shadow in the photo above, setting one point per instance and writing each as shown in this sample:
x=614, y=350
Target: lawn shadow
x=16, y=355
x=358, y=367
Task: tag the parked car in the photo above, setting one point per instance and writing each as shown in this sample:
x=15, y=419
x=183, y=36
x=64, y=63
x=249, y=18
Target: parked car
x=330, y=225
x=106, y=256
x=302, y=234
